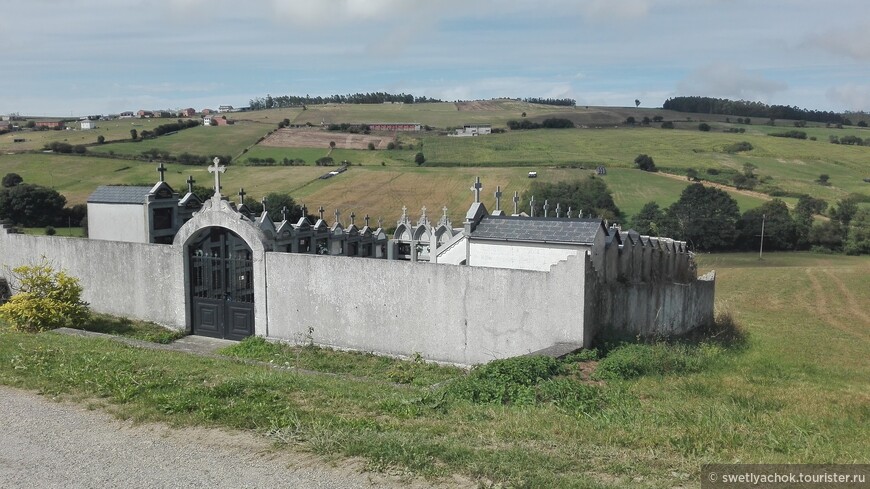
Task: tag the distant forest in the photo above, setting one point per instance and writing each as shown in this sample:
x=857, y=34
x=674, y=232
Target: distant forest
x=270, y=102
x=743, y=108
x=567, y=102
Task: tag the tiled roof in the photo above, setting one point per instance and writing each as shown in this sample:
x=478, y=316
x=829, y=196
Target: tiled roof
x=539, y=229
x=116, y=194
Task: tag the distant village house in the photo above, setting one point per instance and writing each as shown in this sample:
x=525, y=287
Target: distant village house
x=395, y=126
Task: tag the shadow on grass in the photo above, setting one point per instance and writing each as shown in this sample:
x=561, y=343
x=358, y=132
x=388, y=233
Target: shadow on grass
x=119, y=326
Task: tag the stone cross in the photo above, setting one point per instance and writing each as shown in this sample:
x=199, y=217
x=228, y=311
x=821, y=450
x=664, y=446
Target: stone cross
x=516, y=202
x=337, y=213
x=190, y=182
x=569, y=212
x=217, y=169
x=264, y=203
x=284, y=213
x=498, y=198
x=423, y=216
x=476, y=189
x=352, y=218
x=558, y=210
x=242, y=195
x=304, y=210
x=367, y=220
x=546, y=207
x=532, y=206
x=321, y=210
x=380, y=222
x=444, y=216
x=404, y=213
x=162, y=171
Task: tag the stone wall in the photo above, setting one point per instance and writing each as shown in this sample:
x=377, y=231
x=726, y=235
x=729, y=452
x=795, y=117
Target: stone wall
x=142, y=281
x=455, y=314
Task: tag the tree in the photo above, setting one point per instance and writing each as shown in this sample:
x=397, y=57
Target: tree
x=858, y=237
x=780, y=230
x=844, y=211
x=371, y=146
x=134, y=135
x=658, y=118
x=524, y=114
x=650, y=220
x=31, y=205
x=645, y=163
x=704, y=127
x=589, y=195
x=11, y=180
x=705, y=217
x=692, y=174
x=862, y=123
x=275, y=204
x=823, y=179
x=636, y=103
x=101, y=139
x=667, y=125
x=332, y=145
x=419, y=158
x=646, y=121
x=630, y=120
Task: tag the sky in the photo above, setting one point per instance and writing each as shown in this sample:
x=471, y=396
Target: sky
x=77, y=57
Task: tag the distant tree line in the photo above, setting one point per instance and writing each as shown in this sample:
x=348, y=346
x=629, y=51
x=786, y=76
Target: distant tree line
x=254, y=161
x=552, y=123
x=744, y=108
x=563, y=102
x=171, y=127
x=184, y=158
x=708, y=219
x=283, y=101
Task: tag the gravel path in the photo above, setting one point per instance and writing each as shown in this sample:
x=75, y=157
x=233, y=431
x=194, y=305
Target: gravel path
x=46, y=444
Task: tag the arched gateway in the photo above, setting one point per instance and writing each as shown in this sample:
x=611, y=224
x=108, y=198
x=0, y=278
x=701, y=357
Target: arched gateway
x=225, y=279
x=221, y=284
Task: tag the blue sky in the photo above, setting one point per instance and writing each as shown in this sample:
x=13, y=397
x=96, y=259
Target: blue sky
x=74, y=57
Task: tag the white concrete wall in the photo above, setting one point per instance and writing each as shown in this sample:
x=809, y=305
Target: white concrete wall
x=118, y=222
x=141, y=281
x=521, y=256
x=455, y=314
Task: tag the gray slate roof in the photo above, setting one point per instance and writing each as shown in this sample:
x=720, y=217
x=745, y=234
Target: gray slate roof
x=539, y=229
x=116, y=194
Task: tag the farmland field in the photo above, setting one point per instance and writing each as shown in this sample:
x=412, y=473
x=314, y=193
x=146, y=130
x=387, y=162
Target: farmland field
x=381, y=181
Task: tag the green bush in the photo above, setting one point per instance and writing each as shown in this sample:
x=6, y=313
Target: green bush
x=46, y=299
x=638, y=360
x=508, y=381
x=738, y=147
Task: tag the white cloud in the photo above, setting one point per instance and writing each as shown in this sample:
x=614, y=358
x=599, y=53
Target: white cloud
x=850, y=97
x=615, y=9
x=851, y=42
x=729, y=81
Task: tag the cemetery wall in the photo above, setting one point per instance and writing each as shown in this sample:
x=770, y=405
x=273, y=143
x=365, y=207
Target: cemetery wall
x=142, y=281
x=454, y=314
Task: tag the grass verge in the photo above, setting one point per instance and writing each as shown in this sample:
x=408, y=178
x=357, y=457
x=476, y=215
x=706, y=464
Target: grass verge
x=792, y=390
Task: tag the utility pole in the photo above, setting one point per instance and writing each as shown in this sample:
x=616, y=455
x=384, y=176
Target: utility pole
x=761, y=244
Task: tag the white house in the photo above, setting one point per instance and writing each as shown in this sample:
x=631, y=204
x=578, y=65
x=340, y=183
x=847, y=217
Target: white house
x=88, y=125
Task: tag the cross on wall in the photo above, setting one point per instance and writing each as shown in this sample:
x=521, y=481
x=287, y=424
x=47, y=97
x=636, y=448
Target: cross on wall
x=217, y=169
x=162, y=171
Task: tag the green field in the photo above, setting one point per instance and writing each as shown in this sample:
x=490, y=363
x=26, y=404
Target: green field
x=796, y=390
x=382, y=181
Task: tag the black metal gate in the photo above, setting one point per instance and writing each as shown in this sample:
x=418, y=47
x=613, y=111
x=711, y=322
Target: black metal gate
x=221, y=285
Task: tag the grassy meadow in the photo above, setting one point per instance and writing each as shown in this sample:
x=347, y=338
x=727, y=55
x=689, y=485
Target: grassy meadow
x=382, y=181
x=793, y=388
